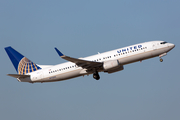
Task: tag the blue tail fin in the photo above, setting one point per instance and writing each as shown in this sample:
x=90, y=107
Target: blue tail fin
x=22, y=64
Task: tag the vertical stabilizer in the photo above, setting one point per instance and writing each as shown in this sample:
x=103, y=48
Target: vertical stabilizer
x=22, y=64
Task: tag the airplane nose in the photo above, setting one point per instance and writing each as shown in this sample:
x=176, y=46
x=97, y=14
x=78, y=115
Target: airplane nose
x=171, y=45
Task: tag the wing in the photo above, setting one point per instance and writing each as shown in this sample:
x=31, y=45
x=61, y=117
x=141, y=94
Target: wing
x=89, y=65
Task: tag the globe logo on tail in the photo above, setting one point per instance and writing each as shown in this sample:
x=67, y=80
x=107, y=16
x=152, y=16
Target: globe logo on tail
x=26, y=66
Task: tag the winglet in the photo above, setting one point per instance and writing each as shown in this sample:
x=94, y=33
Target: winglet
x=60, y=54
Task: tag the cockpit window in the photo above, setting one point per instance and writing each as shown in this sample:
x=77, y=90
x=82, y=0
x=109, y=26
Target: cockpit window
x=163, y=42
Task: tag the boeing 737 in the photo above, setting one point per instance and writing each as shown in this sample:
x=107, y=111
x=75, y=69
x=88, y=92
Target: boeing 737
x=110, y=62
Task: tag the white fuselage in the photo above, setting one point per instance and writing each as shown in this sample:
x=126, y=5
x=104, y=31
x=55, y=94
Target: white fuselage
x=126, y=55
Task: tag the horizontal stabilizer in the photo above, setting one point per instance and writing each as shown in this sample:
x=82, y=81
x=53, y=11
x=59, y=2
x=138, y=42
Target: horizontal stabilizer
x=18, y=76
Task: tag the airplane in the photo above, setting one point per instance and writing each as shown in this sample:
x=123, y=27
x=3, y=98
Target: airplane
x=108, y=62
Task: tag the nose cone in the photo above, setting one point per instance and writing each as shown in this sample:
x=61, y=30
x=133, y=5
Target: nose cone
x=171, y=46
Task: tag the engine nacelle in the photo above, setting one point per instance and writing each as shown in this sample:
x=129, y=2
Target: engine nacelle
x=112, y=66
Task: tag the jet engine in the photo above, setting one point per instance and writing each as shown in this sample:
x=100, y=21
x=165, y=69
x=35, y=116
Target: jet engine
x=112, y=66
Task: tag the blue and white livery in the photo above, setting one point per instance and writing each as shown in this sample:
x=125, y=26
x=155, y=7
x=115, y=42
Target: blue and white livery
x=110, y=62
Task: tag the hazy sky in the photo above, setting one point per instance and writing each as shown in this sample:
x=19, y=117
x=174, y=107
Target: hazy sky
x=79, y=28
